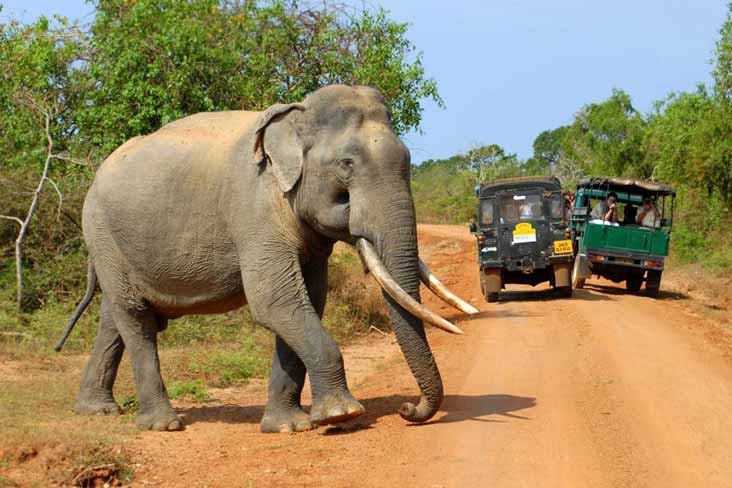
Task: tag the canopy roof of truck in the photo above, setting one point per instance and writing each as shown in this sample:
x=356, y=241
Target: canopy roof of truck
x=550, y=183
x=627, y=185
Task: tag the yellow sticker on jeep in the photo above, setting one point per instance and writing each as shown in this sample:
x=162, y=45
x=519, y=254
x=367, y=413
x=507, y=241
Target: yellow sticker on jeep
x=562, y=247
x=524, y=232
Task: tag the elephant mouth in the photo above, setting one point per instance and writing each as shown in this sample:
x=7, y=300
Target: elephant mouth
x=372, y=263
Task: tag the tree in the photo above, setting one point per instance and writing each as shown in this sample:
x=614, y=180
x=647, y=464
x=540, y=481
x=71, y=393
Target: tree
x=490, y=162
x=722, y=72
x=607, y=138
x=70, y=94
x=717, y=133
x=158, y=60
x=547, y=151
x=35, y=99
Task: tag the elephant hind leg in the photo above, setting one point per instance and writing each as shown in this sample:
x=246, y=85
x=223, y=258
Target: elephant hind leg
x=95, y=395
x=284, y=412
x=139, y=330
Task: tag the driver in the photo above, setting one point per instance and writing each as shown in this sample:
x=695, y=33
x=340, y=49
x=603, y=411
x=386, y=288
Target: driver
x=525, y=211
x=649, y=216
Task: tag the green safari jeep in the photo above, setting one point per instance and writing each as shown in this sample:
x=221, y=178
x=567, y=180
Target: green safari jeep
x=626, y=248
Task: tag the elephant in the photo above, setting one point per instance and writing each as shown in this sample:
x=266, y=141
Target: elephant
x=222, y=209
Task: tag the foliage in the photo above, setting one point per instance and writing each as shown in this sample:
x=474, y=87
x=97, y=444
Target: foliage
x=194, y=389
x=206, y=55
x=607, y=138
x=548, y=151
x=444, y=190
x=38, y=74
x=355, y=302
x=722, y=71
x=140, y=64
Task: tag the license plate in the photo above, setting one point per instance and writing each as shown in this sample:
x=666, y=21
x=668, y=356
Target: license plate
x=624, y=261
x=563, y=247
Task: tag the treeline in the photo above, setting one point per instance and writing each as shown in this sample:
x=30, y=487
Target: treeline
x=686, y=140
x=70, y=93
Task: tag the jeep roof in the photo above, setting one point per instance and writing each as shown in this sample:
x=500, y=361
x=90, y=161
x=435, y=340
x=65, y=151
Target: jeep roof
x=548, y=183
x=627, y=185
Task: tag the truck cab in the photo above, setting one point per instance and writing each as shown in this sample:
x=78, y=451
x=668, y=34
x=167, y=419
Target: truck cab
x=522, y=235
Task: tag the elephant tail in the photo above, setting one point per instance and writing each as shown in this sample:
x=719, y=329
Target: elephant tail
x=91, y=287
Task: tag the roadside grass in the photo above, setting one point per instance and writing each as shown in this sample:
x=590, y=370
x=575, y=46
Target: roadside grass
x=704, y=247
x=354, y=299
x=38, y=429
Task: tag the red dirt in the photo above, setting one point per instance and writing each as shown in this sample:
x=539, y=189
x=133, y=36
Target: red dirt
x=602, y=390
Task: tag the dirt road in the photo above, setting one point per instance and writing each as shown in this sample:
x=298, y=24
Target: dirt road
x=602, y=390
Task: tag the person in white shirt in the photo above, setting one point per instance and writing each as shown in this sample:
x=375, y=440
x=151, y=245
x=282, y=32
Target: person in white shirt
x=607, y=210
x=649, y=216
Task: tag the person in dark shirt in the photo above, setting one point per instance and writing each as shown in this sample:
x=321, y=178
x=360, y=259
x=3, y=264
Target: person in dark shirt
x=629, y=214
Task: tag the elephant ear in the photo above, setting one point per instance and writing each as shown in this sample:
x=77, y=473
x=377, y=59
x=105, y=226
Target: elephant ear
x=277, y=141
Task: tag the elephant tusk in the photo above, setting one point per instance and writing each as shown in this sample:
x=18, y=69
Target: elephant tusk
x=392, y=288
x=442, y=291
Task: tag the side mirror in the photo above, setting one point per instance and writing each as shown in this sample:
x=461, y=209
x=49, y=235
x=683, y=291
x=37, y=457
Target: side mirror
x=473, y=227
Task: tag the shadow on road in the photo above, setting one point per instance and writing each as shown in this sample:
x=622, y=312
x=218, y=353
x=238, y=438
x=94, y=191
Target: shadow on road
x=488, y=314
x=544, y=295
x=459, y=408
x=608, y=290
x=227, y=413
x=455, y=408
x=592, y=295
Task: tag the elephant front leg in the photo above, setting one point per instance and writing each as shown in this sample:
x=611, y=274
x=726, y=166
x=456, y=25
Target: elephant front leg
x=139, y=330
x=95, y=395
x=284, y=411
x=279, y=300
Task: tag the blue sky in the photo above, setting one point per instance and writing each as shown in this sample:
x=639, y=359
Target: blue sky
x=509, y=69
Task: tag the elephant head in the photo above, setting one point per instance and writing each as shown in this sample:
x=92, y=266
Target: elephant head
x=347, y=176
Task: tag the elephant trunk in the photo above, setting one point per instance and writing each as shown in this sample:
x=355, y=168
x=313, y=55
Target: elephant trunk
x=398, y=251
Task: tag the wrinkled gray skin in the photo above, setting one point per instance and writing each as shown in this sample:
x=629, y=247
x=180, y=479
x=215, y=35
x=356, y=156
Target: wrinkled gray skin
x=221, y=209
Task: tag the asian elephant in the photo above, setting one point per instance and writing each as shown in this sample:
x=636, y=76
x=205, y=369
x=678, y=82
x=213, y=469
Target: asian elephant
x=218, y=210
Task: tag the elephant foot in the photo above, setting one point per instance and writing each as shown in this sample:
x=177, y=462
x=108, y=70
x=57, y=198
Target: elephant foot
x=161, y=419
x=293, y=419
x=332, y=408
x=96, y=404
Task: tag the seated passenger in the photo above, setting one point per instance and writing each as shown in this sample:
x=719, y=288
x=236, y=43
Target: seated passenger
x=607, y=210
x=649, y=216
x=629, y=214
x=536, y=211
x=525, y=211
x=568, y=205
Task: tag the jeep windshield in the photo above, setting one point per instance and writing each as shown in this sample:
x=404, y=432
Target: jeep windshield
x=513, y=208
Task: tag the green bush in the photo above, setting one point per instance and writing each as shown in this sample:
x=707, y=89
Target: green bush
x=194, y=389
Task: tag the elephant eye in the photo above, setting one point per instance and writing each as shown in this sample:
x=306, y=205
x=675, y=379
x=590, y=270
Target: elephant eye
x=344, y=170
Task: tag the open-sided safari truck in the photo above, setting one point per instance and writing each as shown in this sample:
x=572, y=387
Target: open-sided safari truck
x=625, y=250
x=522, y=235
